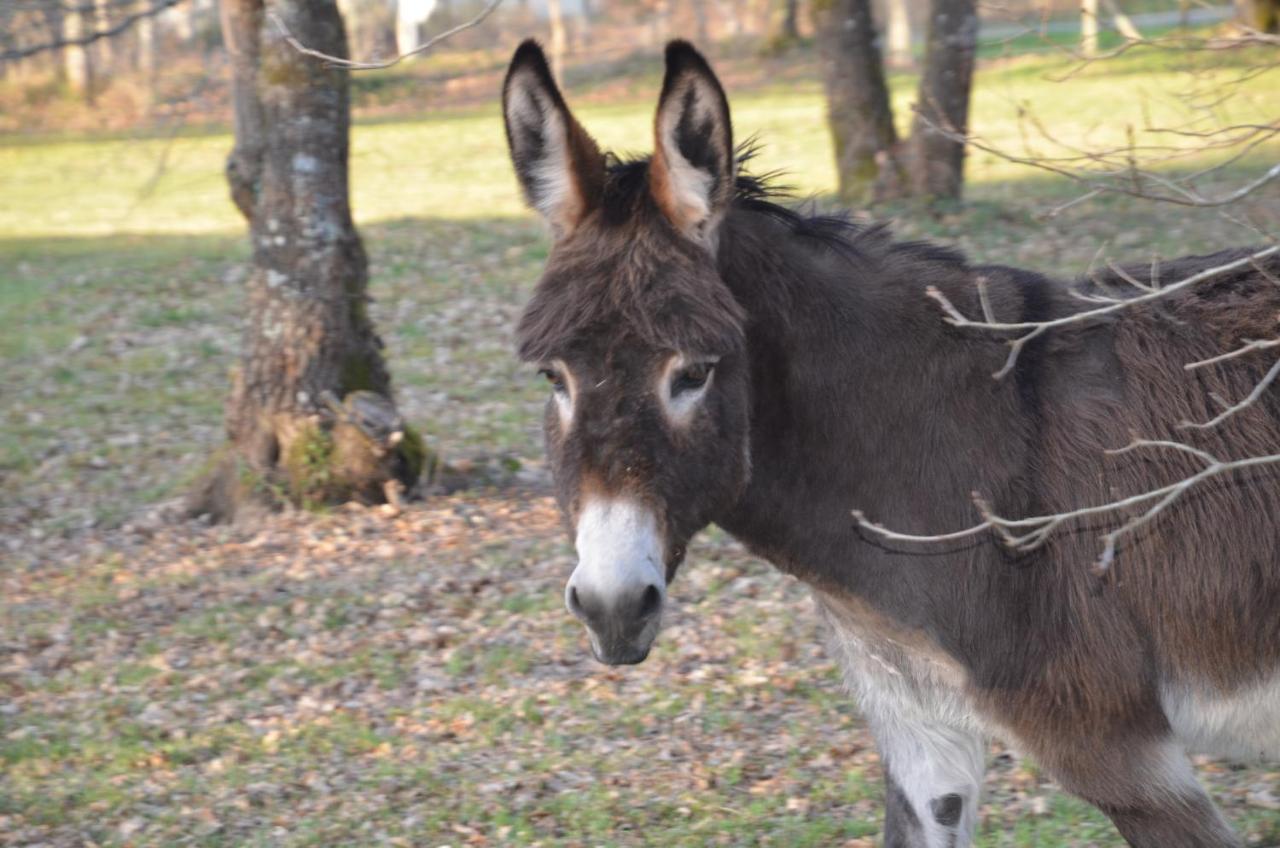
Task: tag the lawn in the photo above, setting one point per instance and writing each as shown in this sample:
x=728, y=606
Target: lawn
x=344, y=678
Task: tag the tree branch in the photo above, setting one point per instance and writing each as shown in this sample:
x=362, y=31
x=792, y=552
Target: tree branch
x=339, y=62
x=89, y=38
x=1032, y=329
x=1034, y=532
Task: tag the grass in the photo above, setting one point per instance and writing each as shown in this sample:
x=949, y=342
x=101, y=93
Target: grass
x=341, y=678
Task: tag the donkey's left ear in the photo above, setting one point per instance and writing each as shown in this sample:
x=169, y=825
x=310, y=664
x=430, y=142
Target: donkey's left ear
x=693, y=172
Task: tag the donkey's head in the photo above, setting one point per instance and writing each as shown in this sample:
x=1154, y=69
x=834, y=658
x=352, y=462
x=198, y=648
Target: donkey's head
x=639, y=337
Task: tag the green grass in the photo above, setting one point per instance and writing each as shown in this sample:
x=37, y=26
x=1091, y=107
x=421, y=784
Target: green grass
x=455, y=166
x=322, y=692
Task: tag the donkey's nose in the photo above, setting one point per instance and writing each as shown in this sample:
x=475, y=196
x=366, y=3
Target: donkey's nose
x=619, y=612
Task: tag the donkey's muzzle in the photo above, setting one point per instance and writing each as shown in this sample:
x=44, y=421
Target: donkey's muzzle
x=622, y=626
x=619, y=586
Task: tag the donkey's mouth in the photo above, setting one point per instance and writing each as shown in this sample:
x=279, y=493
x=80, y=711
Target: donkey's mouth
x=628, y=656
x=624, y=655
x=621, y=651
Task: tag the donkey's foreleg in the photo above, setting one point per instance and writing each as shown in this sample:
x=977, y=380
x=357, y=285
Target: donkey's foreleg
x=933, y=779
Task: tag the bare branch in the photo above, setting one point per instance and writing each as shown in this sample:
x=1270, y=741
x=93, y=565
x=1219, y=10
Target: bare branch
x=1032, y=329
x=1119, y=180
x=90, y=37
x=339, y=62
x=1039, y=528
x=1242, y=405
x=1250, y=346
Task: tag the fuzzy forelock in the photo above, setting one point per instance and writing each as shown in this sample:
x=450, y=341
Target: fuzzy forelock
x=635, y=275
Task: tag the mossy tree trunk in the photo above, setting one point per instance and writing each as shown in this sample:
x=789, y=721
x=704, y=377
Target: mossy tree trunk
x=307, y=334
x=858, y=109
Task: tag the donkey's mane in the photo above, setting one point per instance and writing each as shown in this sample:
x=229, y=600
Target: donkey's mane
x=626, y=195
x=685, y=312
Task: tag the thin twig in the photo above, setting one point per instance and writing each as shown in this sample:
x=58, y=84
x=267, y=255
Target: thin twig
x=84, y=40
x=339, y=62
x=1032, y=329
x=1239, y=407
x=1040, y=527
x=1249, y=346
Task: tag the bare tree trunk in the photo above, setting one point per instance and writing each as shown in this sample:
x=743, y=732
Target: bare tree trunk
x=662, y=20
x=936, y=160
x=728, y=11
x=898, y=33
x=1123, y=22
x=701, y=29
x=1262, y=15
x=858, y=108
x=76, y=61
x=790, y=22
x=102, y=23
x=555, y=17
x=308, y=332
x=1089, y=27
x=146, y=50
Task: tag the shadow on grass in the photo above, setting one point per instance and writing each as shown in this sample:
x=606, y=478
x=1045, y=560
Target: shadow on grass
x=117, y=349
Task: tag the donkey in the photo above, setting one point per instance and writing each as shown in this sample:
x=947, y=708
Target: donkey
x=715, y=356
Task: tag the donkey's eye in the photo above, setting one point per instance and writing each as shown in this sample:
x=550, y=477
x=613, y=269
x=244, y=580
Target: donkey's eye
x=554, y=377
x=691, y=378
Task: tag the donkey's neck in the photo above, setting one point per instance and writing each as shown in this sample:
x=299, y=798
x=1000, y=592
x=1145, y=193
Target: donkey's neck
x=863, y=398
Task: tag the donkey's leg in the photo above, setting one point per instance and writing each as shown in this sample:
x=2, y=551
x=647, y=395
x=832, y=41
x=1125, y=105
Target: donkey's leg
x=1150, y=793
x=933, y=779
x=931, y=742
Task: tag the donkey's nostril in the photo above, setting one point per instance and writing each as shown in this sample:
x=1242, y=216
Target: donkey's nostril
x=575, y=605
x=651, y=602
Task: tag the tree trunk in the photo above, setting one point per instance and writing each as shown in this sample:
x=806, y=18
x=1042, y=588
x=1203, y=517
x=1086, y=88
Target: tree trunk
x=858, y=109
x=1089, y=27
x=555, y=17
x=1262, y=15
x=937, y=160
x=146, y=51
x=102, y=23
x=1124, y=23
x=898, y=33
x=790, y=22
x=701, y=30
x=308, y=336
x=75, y=58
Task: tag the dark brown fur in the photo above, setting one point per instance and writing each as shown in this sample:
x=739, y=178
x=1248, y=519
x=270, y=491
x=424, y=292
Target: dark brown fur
x=851, y=392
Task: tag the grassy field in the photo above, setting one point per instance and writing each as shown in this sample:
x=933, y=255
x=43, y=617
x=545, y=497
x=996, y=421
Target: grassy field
x=350, y=679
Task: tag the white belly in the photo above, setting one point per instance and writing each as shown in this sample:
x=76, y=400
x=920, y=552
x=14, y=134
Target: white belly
x=1242, y=725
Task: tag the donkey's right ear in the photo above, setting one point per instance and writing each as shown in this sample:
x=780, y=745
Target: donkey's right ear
x=559, y=166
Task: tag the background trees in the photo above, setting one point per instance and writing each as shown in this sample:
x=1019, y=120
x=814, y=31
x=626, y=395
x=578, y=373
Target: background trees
x=871, y=162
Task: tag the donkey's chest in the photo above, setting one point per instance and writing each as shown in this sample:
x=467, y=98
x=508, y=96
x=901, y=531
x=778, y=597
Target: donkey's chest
x=894, y=671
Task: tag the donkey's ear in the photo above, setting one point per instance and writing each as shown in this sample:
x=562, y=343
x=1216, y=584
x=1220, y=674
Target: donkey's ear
x=693, y=170
x=559, y=166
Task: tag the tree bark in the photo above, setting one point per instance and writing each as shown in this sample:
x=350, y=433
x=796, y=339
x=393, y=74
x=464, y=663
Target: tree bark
x=790, y=20
x=1262, y=15
x=898, y=33
x=77, y=65
x=858, y=109
x=702, y=30
x=555, y=17
x=1089, y=27
x=145, y=57
x=308, y=333
x=937, y=160
x=102, y=23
